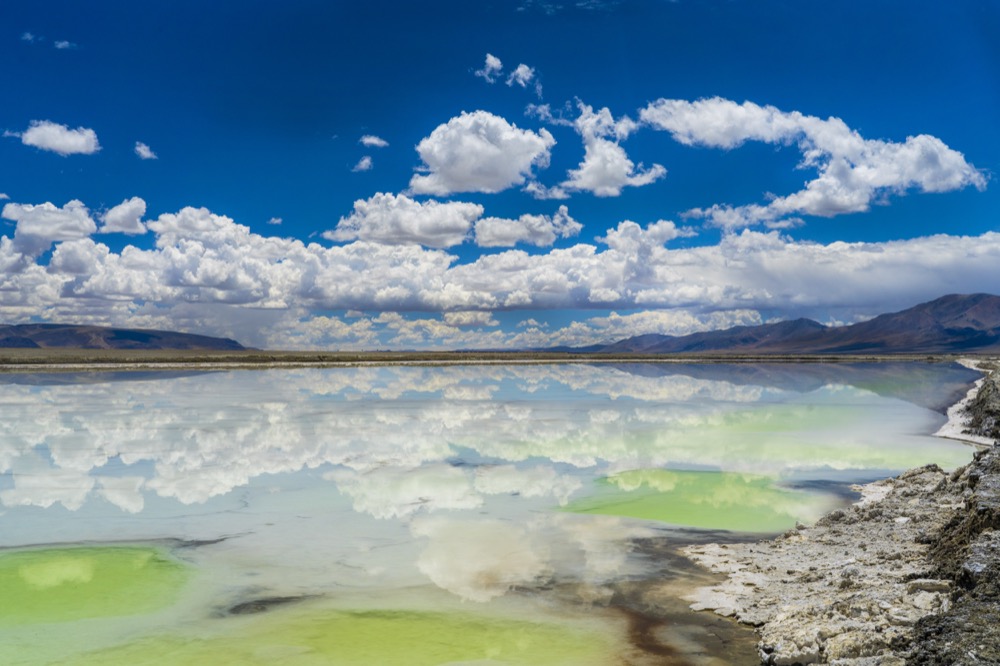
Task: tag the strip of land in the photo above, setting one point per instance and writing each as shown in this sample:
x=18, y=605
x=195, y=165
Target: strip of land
x=56, y=359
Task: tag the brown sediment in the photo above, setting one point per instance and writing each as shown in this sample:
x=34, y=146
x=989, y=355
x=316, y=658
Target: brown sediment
x=661, y=628
x=642, y=635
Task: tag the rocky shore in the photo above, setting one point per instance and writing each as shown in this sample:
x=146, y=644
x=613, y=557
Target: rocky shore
x=908, y=575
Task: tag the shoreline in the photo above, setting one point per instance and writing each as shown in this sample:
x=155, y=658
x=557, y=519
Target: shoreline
x=86, y=360
x=957, y=425
x=883, y=581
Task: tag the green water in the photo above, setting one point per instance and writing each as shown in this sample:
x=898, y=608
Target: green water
x=369, y=638
x=66, y=584
x=706, y=500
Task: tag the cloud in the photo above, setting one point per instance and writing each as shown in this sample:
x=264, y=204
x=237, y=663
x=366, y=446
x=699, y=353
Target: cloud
x=62, y=45
x=28, y=37
x=372, y=141
x=40, y=226
x=491, y=70
x=852, y=171
x=479, y=152
x=397, y=220
x=125, y=218
x=275, y=220
x=144, y=152
x=364, y=164
x=57, y=138
x=470, y=318
x=3, y=196
x=524, y=75
x=206, y=273
x=538, y=230
x=606, y=169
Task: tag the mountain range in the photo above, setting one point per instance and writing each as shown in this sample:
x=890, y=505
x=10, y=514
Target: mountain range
x=957, y=323
x=46, y=336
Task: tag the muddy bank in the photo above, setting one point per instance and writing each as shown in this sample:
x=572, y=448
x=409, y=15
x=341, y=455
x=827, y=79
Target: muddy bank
x=909, y=575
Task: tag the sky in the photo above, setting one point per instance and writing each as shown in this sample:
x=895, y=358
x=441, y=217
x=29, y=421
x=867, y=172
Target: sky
x=500, y=174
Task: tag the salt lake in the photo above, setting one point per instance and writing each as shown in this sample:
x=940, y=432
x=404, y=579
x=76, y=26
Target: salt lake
x=474, y=514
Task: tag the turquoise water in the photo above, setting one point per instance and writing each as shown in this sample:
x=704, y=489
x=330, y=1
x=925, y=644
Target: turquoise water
x=460, y=514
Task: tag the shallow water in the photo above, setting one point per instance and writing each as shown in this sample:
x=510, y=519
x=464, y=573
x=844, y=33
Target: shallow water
x=463, y=514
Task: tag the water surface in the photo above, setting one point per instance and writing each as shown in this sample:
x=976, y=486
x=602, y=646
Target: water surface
x=422, y=515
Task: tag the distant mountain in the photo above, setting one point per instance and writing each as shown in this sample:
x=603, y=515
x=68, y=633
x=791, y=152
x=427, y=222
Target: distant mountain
x=45, y=336
x=950, y=324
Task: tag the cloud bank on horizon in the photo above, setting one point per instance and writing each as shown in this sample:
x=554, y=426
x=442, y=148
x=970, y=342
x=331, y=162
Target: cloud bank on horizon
x=496, y=226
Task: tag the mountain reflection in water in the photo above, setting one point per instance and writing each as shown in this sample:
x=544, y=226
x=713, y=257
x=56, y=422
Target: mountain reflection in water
x=532, y=492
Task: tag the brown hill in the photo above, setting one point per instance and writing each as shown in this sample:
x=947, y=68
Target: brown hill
x=950, y=324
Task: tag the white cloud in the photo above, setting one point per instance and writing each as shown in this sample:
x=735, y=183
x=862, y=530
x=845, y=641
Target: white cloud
x=852, y=171
x=372, y=141
x=57, y=138
x=125, y=218
x=275, y=221
x=209, y=274
x=3, y=196
x=470, y=318
x=62, y=45
x=399, y=220
x=539, y=191
x=364, y=164
x=479, y=152
x=491, y=69
x=40, y=226
x=538, y=230
x=28, y=37
x=144, y=152
x=524, y=75
x=605, y=169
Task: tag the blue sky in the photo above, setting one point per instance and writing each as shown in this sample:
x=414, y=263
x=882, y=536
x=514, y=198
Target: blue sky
x=493, y=174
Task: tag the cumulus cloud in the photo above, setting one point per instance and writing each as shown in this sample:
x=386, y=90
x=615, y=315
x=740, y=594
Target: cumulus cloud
x=491, y=69
x=28, y=37
x=57, y=138
x=364, y=164
x=208, y=273
x=399, y=220
x=125, y=218
x=852, y=171
x=479, y=152
x=144, y=152
x=62, y=44
x=275, y=221
x=606, y=168
x=538, y=230
x=372, y=141
x=40, y=226
x=470, y=318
